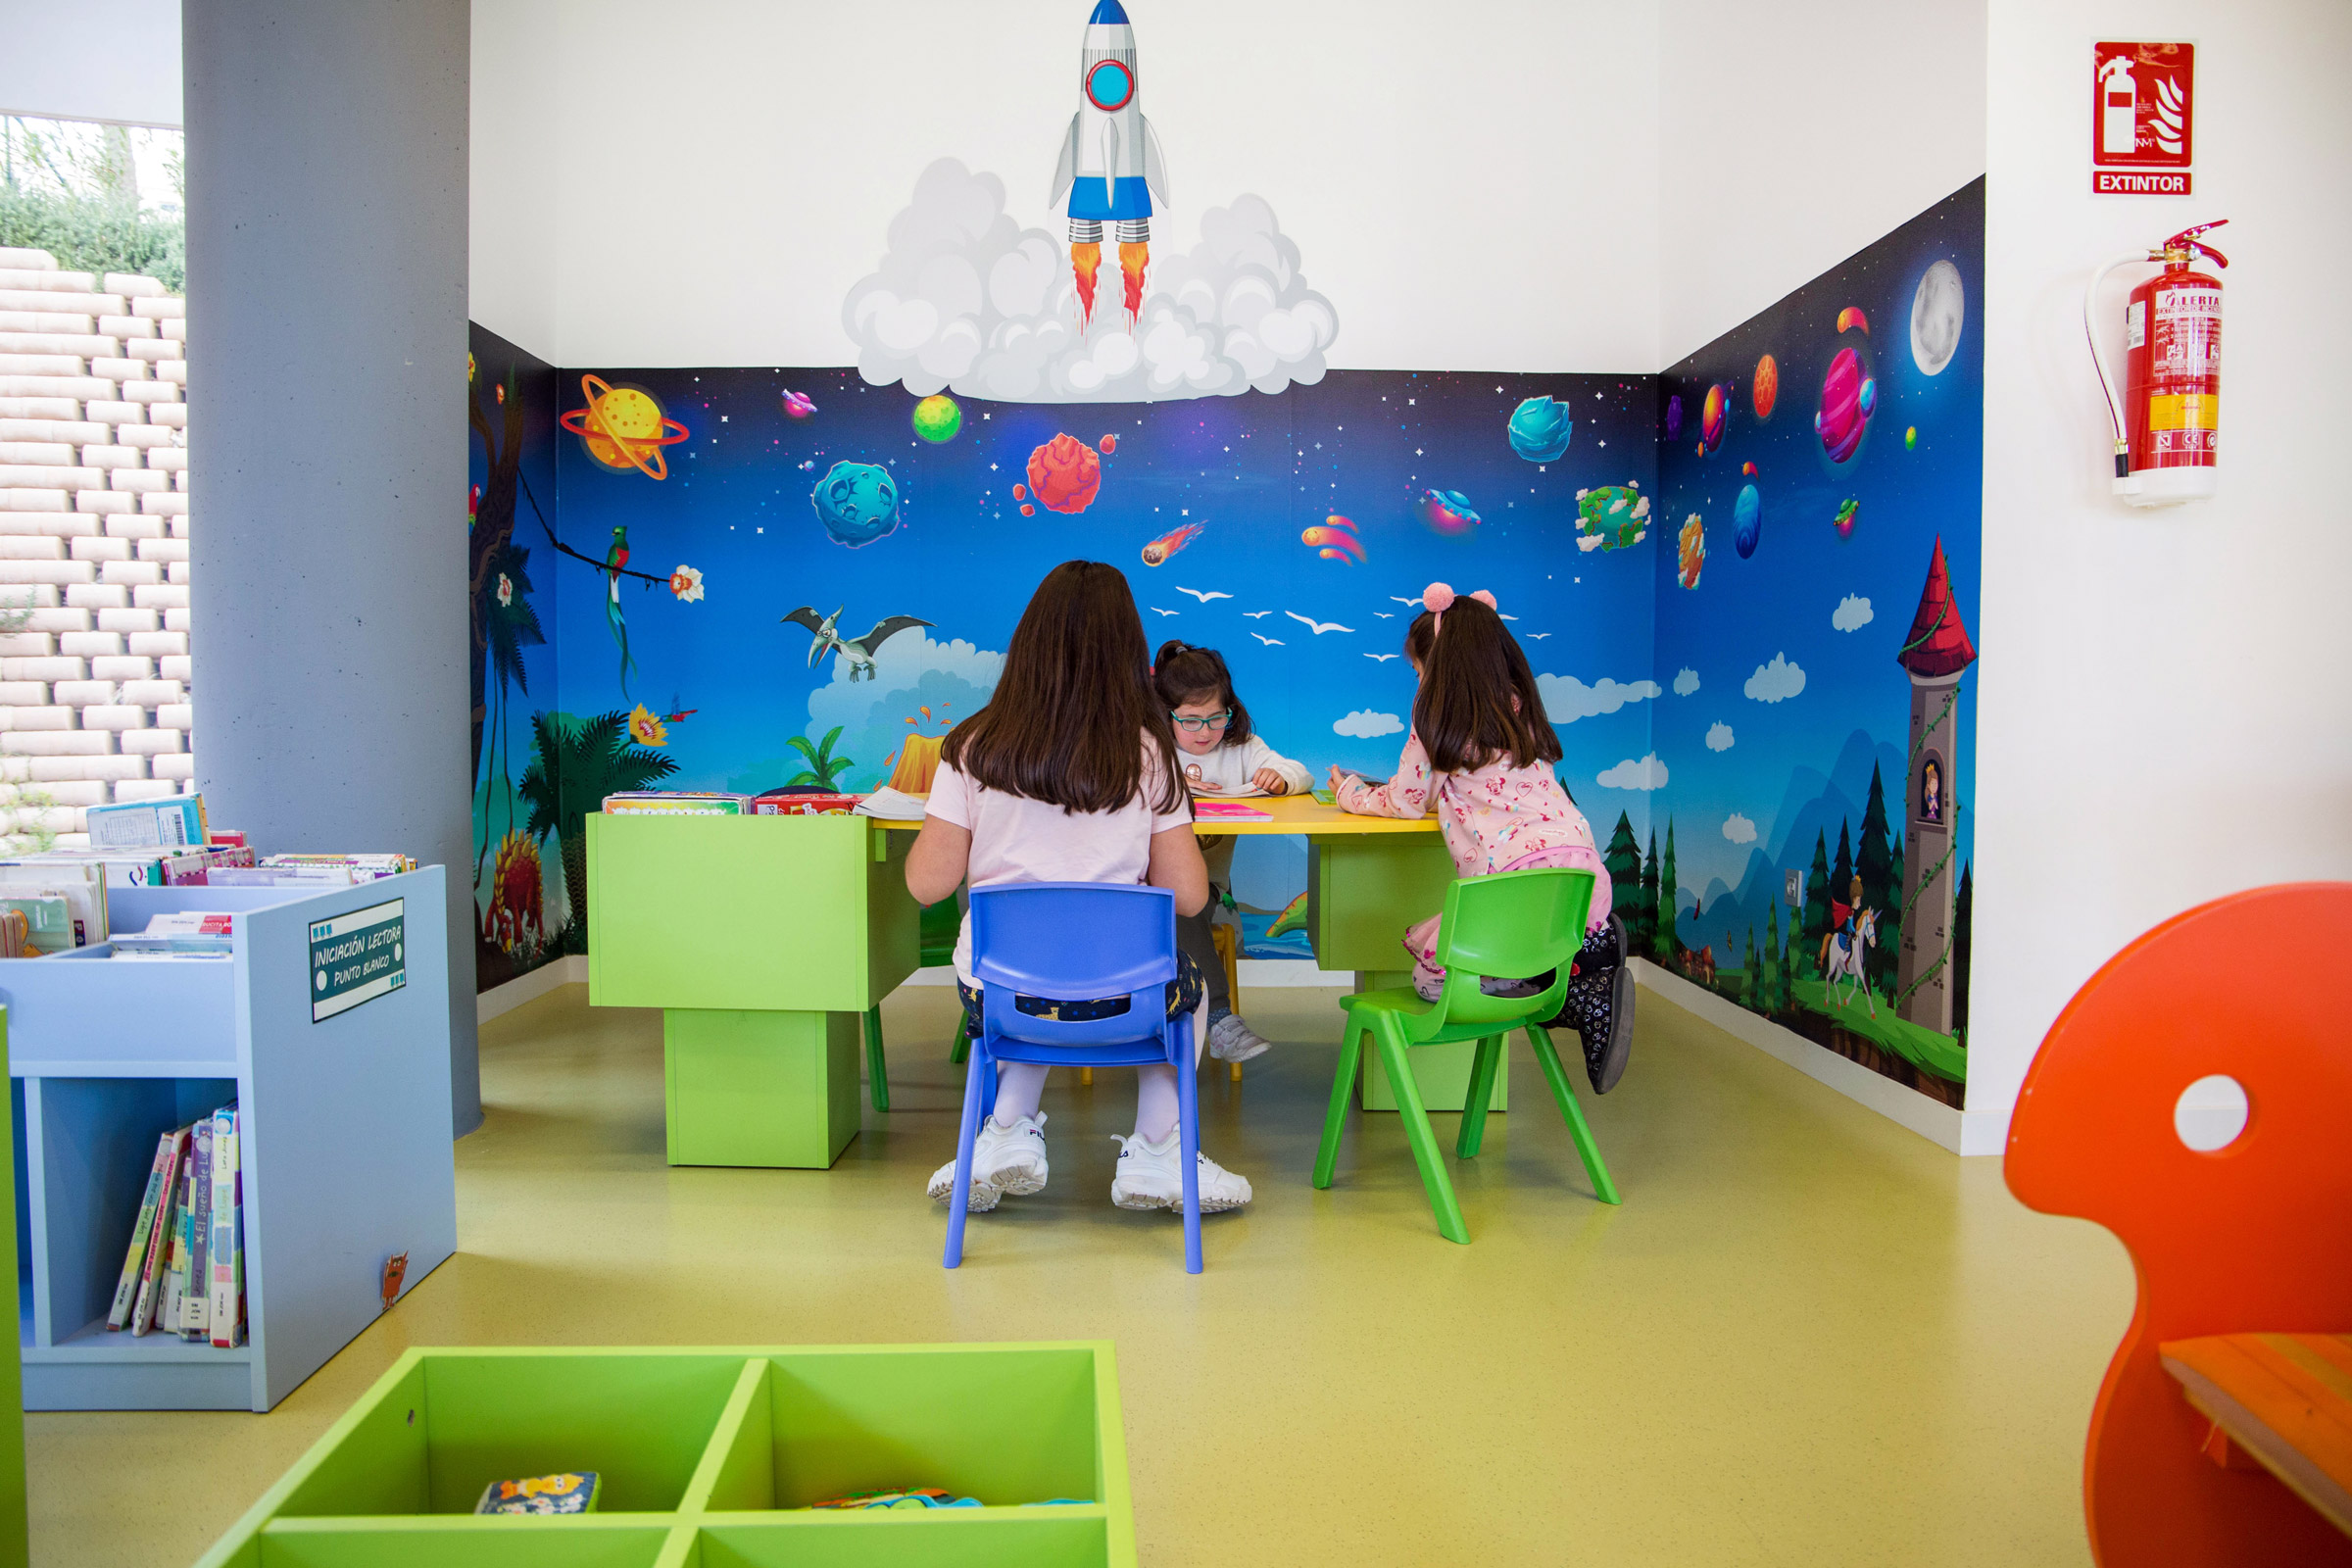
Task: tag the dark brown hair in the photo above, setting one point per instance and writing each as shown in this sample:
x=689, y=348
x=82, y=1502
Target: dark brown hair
x=1471, y=670
x=1074, y=704
x=1187, y=675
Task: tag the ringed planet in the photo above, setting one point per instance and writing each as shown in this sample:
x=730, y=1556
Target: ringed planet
x=624, y=427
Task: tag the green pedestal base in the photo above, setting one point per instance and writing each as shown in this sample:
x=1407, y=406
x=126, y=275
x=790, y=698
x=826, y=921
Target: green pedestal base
x=1440, y=1072
x=756, y=1087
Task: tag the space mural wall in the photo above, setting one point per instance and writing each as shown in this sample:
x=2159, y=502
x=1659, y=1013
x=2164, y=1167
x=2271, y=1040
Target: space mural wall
x=1820, y=496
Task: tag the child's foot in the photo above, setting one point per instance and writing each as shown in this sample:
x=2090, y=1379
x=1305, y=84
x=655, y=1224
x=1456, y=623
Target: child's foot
x=1230, y=1039
x=1608, y=1042
x=1006, y=1162
x=1152, y=1176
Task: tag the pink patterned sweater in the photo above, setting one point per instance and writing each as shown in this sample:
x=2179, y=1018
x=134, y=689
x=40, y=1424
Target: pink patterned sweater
x=1492, y=816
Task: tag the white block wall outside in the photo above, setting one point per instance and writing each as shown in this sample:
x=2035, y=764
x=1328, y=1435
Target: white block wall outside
x=95, y=692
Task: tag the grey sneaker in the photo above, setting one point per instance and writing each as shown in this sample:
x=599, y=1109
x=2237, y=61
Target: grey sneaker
x=1230, y=1039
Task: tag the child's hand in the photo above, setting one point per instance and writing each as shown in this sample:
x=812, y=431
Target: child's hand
x=1270, y=781
x=1334, y=780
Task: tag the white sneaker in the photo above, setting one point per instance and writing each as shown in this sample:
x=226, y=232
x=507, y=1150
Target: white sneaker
x=1152, y=1177
x=1006, y=1161
x=1230, y=1039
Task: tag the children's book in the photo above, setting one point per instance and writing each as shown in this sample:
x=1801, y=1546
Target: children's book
x=191, y=923
x=82, y=884
x=48, y=922
x=275, y=876
x=674, y=803
x=226, y=1261
x=1228, y=811
x=176, y=1258
x=572, y=1491
x=176, y=822
x=196, y=1299
x=782, y=805
x=892, y=806
x=118, y=1316
x=137, y=946
x=159, y=1240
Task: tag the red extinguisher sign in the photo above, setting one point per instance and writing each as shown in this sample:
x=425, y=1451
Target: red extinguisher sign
x=2143, y=100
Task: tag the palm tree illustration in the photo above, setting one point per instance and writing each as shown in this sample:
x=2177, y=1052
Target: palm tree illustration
x=575, y=762
x=824, y=766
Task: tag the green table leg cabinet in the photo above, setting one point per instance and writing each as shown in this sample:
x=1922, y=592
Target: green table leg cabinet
x=763, y=940
x=1363, y=891
x=713, y=1458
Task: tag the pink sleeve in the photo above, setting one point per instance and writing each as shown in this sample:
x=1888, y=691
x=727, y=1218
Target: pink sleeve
x=1407, y=795
x=950, y=798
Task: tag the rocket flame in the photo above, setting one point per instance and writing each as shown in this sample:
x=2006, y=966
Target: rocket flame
x=1133, y=259
x=1085, y=262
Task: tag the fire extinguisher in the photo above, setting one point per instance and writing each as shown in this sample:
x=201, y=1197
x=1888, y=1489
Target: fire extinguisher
x=2168, y=423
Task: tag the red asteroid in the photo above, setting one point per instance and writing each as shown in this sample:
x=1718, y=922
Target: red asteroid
x=1065, y=474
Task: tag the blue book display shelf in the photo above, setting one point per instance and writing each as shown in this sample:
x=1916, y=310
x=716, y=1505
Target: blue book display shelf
x=340, y=1067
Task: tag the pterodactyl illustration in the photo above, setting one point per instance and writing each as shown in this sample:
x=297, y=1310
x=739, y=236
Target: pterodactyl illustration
x=858, y=651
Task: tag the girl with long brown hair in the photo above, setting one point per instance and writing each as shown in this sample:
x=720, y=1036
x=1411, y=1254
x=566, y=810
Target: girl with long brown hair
x=1480, y=753
x=1069, y=775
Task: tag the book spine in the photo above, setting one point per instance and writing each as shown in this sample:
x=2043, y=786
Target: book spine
x=142, y=1310
x=195, y=1314
x=175, y=1256
x=223, y=1260
x=118, y=1316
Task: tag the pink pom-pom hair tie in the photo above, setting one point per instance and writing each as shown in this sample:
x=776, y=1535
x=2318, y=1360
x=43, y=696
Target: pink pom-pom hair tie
x=1437, y=599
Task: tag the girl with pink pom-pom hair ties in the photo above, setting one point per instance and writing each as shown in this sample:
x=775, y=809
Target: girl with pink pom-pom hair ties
x=1480, y=752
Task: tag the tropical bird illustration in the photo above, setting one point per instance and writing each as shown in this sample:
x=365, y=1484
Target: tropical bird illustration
x=859, y=652
x=616, y=558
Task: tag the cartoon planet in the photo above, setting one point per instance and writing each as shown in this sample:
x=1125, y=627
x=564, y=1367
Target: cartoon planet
x=1167, y=544
x=1065, y=474
x=1446, y=511
x=624, y=427
x=1939, y=308
x=1540, y=430
x=937, y=417
x=1109, y=445
x=1852, y=315
x=1674, y=418
x=856, y=502
x=1747, y=467
x=1847, y=397
x=1713, y=416
x=796, y=405
x=1765, y=390
x=1910, y=437
x=1748, y=522
x=1843, y=522
x=1611, y=516
x=1690, y=551
x=1334, y=537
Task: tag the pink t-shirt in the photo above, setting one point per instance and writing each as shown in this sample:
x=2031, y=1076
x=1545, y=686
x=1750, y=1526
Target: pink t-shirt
x=1015, y=839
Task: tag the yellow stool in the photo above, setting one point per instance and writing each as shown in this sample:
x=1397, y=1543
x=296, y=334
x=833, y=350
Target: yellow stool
x=1225, y=940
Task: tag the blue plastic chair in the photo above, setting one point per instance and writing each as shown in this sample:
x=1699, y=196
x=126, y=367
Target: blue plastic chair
x=1076, y=941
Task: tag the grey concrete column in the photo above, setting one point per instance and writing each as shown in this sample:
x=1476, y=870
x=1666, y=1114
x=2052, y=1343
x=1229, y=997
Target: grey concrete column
x=326, y=436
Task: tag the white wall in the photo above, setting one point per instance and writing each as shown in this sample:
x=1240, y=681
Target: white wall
x=1793, y=135
x=118, y=61
x=2166, y=701
x=1471, y=190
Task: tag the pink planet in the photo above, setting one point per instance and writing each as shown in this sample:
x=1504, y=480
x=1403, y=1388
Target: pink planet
x=1848, y=396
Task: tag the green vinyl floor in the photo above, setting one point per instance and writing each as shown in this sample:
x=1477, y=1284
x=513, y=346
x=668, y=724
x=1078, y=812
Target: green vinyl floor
x=1808, y=1337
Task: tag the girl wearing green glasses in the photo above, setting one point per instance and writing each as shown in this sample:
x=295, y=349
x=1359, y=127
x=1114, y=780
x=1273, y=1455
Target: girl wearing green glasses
x=1221, y=755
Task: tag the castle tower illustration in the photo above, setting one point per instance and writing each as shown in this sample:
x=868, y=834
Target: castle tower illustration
x=1935, y=654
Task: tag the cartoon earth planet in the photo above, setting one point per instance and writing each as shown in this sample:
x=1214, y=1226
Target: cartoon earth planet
x=1910, y=437
x=1938, y=309
x=1748, y=522
x=1713, y=416
x=937, y=417
x=1847, y=397
x=856, y=502
x=623, y=428
x=1611, y=516
x=1065, y=474
x=1540, y=430
x=1765, y=390
x=1448, y=513
x=1674, y=418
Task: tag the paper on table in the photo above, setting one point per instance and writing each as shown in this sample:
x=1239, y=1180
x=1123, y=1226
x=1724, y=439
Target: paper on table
x=891, y=805
x=1229, y=812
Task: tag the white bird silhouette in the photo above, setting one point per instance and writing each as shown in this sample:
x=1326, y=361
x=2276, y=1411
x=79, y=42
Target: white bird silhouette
x=1536, y=636
x=1505, y=618
x=1256, y=615
x=1270, y=642
x=1318, y=628
x=1156, y=610
x=1381, y=615
x=1377, y=657
x=1204, y=595
x=1405, y=601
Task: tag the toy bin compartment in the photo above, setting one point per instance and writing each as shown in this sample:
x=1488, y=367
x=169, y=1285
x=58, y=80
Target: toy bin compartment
x=424, y=1543
x=939, y=1537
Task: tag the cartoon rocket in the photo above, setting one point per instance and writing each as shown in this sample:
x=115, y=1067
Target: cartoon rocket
x=1110, y=162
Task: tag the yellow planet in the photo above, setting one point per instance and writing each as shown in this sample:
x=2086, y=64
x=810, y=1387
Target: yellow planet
x=624, y=427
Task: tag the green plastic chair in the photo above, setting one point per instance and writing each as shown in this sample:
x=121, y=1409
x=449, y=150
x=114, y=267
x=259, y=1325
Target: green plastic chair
x=1508, y=924
x=937, y=931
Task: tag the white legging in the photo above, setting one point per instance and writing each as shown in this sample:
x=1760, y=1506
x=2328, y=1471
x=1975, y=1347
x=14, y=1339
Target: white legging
x=1020, y=1085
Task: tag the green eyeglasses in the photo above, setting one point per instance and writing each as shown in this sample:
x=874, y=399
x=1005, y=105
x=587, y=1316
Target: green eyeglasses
x=1195, y=725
